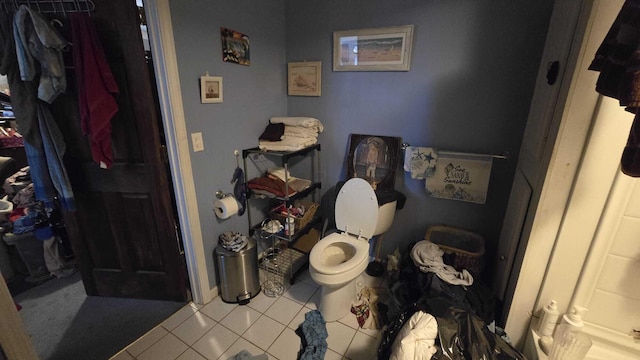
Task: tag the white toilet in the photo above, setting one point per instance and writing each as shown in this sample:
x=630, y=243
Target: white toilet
x=339, y=258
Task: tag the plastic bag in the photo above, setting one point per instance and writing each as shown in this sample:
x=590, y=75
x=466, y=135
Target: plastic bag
x=461, y=334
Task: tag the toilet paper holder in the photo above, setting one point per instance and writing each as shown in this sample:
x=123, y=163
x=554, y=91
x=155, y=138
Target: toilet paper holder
x=221, y=194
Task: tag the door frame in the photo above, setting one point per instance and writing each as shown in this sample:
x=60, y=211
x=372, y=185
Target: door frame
x=165, y=65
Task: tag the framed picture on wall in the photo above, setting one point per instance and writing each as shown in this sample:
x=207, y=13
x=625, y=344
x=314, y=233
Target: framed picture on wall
x=235, y=47
x=210, y=89
x=381, y=49
x=304, y=78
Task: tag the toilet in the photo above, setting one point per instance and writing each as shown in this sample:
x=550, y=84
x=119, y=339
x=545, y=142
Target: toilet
x=338, y=259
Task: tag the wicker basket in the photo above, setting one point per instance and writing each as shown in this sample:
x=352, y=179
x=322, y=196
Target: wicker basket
x=310, y=210
x=462, y=249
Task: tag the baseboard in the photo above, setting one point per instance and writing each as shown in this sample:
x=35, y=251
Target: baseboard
x=213, y=293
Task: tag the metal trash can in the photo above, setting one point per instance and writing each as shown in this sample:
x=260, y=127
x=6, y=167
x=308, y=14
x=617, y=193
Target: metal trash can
x=239, y=279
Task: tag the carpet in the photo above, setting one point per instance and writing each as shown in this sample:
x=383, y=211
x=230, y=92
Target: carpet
x=65, y=323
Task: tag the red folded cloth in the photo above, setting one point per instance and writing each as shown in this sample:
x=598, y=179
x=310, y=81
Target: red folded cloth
x=273, y=185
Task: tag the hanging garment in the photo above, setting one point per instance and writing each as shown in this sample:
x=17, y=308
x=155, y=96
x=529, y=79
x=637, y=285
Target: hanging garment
x=97, y=88
x=618, y=60
x=47, y=170
x=420, y=161
x=463, y=177
x=240, y=189
x=23, y=93
x=39, y=50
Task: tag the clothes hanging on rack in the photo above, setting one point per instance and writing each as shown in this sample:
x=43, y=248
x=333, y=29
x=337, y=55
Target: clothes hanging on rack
x=96, y=86
x=617, y=60
x=24, y=93
x=44, y=144
x=39, y=50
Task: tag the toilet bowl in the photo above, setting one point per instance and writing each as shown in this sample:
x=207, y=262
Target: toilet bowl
x=339, y=258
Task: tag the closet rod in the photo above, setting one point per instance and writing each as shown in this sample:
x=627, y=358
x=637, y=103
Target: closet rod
x=50, y=6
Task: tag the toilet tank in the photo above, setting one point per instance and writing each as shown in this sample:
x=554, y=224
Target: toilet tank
x=386, y=213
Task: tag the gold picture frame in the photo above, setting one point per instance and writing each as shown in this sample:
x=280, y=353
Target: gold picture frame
x=304, y=78
x=380, y=49
x=210, y=89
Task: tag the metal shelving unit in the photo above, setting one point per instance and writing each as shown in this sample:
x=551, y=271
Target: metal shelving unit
x=282, y=257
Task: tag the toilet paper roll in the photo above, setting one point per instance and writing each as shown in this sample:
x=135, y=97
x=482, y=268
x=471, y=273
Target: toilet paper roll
x=226, y=207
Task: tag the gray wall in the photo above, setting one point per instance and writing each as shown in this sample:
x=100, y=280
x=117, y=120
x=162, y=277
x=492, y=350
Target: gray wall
x=471, y=80
x=252, y=94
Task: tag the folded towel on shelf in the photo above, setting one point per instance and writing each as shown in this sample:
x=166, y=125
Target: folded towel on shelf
x=273, y=132
x=286, y=144
x=306, y=122
x=295, y=183
x=275, y=186
x=298, y=131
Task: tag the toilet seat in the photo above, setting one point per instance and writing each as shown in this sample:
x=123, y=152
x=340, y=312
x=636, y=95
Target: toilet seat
x=320, y=257
x=357, y=209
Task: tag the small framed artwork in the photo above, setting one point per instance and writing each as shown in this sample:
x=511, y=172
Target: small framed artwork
x=235, y=47
x=381, y=49
x=305, y=78
x=210, y=89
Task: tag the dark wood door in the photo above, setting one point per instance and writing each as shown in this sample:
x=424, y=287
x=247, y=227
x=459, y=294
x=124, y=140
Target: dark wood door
x=124, y=233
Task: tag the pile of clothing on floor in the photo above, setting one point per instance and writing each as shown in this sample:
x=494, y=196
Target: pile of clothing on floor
x=290, y=133
x=434, y=311
x=45, y=222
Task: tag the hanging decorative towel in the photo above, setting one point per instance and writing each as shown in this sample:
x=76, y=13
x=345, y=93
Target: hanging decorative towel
x=460, y=177
x=420, y=161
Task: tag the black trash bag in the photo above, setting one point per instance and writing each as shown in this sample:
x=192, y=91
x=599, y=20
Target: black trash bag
x=462, y=314
x=462, y=335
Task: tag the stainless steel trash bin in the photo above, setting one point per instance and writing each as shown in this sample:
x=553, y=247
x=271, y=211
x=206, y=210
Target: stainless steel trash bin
x=239, y=279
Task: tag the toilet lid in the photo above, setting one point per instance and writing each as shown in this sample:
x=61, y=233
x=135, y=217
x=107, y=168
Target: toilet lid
x=357, y=208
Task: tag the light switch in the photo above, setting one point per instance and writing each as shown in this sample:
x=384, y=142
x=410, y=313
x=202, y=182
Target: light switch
x=196, y=139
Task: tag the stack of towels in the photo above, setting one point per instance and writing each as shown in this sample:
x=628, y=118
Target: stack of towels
x=290, y=133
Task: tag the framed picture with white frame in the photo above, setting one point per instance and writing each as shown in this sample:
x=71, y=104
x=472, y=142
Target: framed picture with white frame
x=379, y=49
x=210, y=89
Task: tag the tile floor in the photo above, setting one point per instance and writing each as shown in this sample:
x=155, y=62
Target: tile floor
x=219, y=330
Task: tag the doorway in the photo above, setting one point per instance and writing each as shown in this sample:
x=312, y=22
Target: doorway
x=126, y=266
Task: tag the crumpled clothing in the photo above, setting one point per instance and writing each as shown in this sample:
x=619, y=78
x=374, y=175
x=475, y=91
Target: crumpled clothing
x=274, y=186
x=245, y=355
x=37, y=41
x=240, y=190
x=428, y=257
x=314, y=329
x=35, y=220
x=365, y=308
x=233, y=241
x=416, y=339
x=16, y=180
x=25, y=197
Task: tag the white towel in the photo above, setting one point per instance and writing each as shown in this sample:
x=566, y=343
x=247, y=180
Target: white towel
x=416, y=338
x=300, y=131
x=295, y=183
x=306, y=122
x=462, y=177
x=420, y=161
x=428, y=257
x=286, y=144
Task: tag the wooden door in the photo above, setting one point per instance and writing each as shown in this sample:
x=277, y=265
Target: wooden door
x=124, y=232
